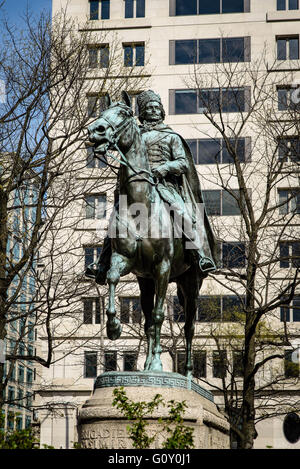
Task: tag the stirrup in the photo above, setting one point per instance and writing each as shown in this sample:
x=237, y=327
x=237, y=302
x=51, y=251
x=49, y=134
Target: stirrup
x=206, y=265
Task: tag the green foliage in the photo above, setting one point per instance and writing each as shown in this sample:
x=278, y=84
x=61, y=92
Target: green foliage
x=181, y=437
x=16, y=439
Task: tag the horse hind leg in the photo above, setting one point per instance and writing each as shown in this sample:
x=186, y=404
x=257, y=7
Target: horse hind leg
x=188, y=291
x=162, y=272
x=119, y=266
x=147, y=289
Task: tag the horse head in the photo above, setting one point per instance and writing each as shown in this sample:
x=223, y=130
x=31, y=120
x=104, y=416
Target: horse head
x=109, y=129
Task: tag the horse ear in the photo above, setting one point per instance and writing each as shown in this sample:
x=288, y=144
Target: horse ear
x=126, y=98
x=107, y=100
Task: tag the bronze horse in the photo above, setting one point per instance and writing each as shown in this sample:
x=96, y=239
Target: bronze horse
x=155, y=261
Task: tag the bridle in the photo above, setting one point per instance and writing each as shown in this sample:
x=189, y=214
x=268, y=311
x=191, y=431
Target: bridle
x=118, y=131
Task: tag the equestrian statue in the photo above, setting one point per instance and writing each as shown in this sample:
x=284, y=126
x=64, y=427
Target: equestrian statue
x=156, y=172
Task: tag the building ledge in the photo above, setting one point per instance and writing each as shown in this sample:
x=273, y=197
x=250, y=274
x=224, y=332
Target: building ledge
x=288, y=15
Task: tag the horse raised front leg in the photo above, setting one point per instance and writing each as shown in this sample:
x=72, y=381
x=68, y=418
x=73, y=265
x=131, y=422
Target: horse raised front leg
x=119, y=265
x=162, y=273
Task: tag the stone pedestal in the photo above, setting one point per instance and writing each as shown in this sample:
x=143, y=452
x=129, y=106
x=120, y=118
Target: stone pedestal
x=100, y=425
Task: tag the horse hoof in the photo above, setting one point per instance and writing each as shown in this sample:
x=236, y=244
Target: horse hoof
x=113, y=330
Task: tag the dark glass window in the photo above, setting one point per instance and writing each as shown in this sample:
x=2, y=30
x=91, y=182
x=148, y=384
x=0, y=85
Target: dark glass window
x=233, y=255
x=91, y=311
x=209, y=151
x=95, y=206
x=212, y=201
x=229, y=203
x=130, y=360
x=93, y=58
x=219, y=363
x=233, y=49
x=233, y=100
x=289, y=201
x=131, y=311
x=128, y=8
x=91, y=254
x=185, y=102
x=180, y=363
x=232, y=308
x=232, y=6
x=237, y=364
x=90, y=364
x=178, y=313
x=139, y=55
x=105, y=4
x=134, y=55
x=214, y=150
x=289, y=149
x=291, y=312
x=186, y=52
x=199, y=360
x=209, y=51
x=288, y=48
x=209, y=7
x=92, y=162
x=186, y=7
x=289, y=254
x=291, y=4
x=291, y=364
x=140, y=8
x=94, y=10
x=110, y=361
x=209, y=308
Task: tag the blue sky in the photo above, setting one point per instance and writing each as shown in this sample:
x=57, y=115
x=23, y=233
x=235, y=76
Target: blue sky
x=15, y=8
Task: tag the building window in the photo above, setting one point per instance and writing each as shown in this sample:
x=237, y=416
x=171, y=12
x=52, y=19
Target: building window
x=233, y=255
x=287, y=48
x=290, y=312
x=287, y=4
x=237, y=364
x=21, y=374
x=291, y=364
x=99, y=56
x=287, y=98
x=180, y=363
x=94, y=9
x=131, y=312
x=221, y=203
x=214, y=150
x=209, y=100
x=289, y=201
x=199, y=362
x=130, y=361
x=92, y=162
x=178, y=313
x=134, y=8
x=208, y=7
x=289, y=254
x=190, y=51
x=134, y=55
x=95, y=206
x=29, y=376
x=91, y=311
x=11, y=395
x=27, y=422
x=289, y=149
x=91, y=254
x=90, y=364
x=219, y=363
x=215, y=308
x=96, y=104
x=110, y=361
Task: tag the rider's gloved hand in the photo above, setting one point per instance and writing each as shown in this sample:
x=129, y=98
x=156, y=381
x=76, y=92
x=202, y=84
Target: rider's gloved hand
x=161, y=171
